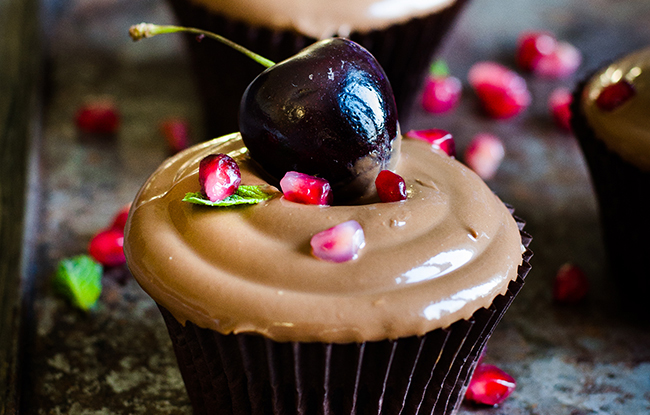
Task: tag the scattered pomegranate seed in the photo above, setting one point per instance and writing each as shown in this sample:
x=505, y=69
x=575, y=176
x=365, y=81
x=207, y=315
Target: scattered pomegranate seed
x=489, y=385
x=340, y=243
x=219, y=176
x=502, y=93
x=559, y=103
x=107, y=247
x=484, y=155
x=440, y=140
x=533, y=46
x=614, y=95
x=99, y=117
x=119, y=221
x=571, y=284
x=176, y=134
x=542, y=54
x=441, y=91
x=303, y=188
x=390, y=186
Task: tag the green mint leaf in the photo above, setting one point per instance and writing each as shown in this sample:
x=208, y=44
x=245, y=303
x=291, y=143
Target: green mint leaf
x=439, y=69
x=245, y=195
x=79, y=279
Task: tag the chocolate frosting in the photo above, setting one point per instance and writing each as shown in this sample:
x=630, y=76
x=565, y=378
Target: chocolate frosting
x=321, y=19
x=626, y=129
x=429, y=261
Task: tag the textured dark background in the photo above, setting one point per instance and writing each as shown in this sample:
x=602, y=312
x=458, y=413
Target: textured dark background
x=584, y=359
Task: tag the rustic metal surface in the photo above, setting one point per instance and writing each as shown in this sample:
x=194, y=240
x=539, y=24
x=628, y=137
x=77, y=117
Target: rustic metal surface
x=583, y=359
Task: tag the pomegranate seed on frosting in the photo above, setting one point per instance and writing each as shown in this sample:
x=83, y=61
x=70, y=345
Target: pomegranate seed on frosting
x=440, y=140
x=390, y=186
x=340, y=243
x=303, y=188
x=219, y=176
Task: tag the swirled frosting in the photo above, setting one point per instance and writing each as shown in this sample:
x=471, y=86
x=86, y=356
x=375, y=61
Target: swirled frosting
x=322, y=19
x=429, y=261
x=626, y=129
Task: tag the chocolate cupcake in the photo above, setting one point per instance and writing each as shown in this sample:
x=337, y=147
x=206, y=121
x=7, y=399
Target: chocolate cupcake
x=260, y=326
x=611, y=120
x=401, y=35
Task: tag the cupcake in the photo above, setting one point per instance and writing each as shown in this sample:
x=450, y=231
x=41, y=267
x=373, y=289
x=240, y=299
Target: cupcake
x=262, y=322
x=611, y=121
x=402, y=36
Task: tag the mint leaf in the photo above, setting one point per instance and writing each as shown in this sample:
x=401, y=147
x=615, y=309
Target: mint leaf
x=439, y=69
x=245, y=195
x=79, y=279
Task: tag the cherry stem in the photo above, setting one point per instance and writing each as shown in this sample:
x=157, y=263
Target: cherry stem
x=144, y=30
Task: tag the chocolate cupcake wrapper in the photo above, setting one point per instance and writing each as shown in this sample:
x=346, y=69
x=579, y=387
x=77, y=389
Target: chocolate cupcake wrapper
x=247, y=374
x=222, y=74
x=621, y=190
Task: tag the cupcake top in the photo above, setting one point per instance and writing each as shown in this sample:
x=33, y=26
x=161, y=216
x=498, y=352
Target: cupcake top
x=435, y=258
x=322, y=19
x=624, y=129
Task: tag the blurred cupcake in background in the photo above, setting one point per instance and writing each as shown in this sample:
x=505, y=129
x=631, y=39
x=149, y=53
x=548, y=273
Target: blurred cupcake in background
x=402, y=34
x=611, y=119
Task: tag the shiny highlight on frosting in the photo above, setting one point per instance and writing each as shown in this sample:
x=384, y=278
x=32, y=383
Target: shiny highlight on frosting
x=429, y=261
x=323, y=19
x=626, y=129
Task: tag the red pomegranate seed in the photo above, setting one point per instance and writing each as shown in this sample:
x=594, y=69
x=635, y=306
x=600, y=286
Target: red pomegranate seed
x=100, y=117
x=563, y=62
x=119, y=221
x=571, y=284
x=176, y=134
x=107, y=247
x=340, y=243
x=440, y=140
x=559, y=103
x=532, y=46
x=390, y=186
x=303, y=188
x=484, y=155
x=501, y=92
x=489, y=385
x=614, y=95
x=219, y=176
x=542, y=54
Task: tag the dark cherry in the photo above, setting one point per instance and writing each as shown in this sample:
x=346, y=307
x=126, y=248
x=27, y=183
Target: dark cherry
x=328, y=112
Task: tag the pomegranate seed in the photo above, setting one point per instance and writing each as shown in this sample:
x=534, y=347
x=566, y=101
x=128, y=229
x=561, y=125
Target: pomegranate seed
x=440, y=140
x=533, y=46
x=176, y=134
x=107, y=247
x=564, y=61
x=559, y=103
x=219, y=176
x=502, y=93
x=571, y=284
x=340, y=243
x=390, y=186
x=100, y=117
x=306, y=189
x=119, y=221
x=542, y=54
x=489, y=385
x=615, y=95
x=484, y=155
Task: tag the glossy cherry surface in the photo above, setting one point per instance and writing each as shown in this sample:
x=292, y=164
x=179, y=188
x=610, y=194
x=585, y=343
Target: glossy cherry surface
x=328, y=112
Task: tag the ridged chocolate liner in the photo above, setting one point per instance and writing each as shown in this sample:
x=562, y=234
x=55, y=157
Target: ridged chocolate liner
x=222, y=74
x=622, y=191
x=248, y=374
